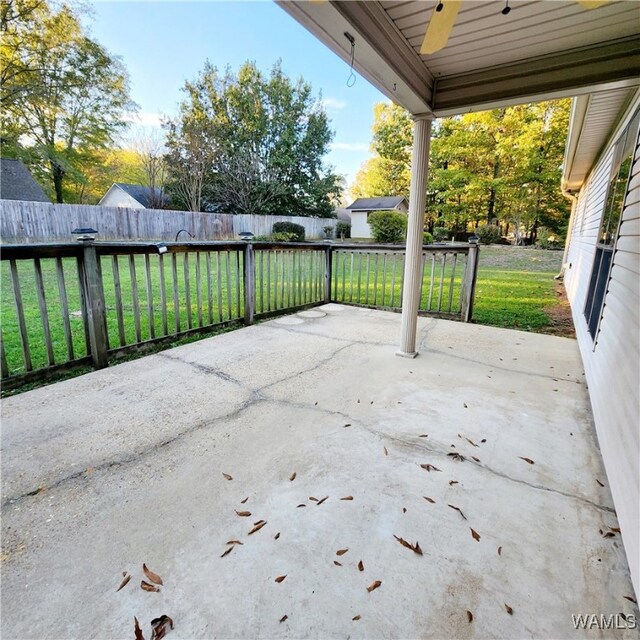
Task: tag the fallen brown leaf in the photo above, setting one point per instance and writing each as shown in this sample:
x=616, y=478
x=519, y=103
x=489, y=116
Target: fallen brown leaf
x=341, y=552
x=154, y=577
x=284, y=617
x=423, y=435
x=149, y=587
x=276, y=536
x=280, y=579
x=470, y=441
x=374, y=585
x=137, y=630
x=475, y=534
x=609, y=534
x=243, y=514
x=429, y=467
x=456, y=456
x=321, y=501
x=386, y=453
x=499, y=551
x=616, y=529
x=227, y=476
x=630, y=599
x=361, y=567
x=234, y=542
x=124, y=583
x=452, y=482
x=600, y=483
x=404, y=509
x=458, y=509
x=414, y=547
x=301, y=505
x=529, y=460
x=257, y=527
x=243, y=501
x=159, y=626
x=469, y=616
x=313, y=498
x=292, y=477
x=483, y=440
x=338, y=564
x=347, y=425
x=228, y=551
x=347, y=498
x=431, y=500
x=509, y=609
x=465, y=405
x=476, y=459
x=356, y=617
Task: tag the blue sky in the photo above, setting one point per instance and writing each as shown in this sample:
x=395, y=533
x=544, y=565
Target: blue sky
x=165, y=43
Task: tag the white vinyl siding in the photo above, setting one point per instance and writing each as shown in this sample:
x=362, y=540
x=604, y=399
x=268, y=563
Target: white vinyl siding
x=612, y=364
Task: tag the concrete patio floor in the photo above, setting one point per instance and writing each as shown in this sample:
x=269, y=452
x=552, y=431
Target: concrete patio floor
x=124, y=466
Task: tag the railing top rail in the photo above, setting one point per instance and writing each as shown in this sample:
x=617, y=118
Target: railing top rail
x=459, y=247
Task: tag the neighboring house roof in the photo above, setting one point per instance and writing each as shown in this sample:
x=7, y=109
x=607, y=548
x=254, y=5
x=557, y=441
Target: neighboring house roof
x=375, y=204
x=140, y=193
x=17, y=183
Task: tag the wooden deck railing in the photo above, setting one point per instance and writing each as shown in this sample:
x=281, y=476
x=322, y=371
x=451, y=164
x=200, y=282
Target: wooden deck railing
x=69, y=305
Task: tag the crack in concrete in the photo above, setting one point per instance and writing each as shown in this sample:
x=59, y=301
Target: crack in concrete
x=444, y=454
x=205, y=369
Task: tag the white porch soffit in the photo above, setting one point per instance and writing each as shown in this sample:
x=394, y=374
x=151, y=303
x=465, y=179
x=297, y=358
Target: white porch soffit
x=593, y=119
x=542, y=49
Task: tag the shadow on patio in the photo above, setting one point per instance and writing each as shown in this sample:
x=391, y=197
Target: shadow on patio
x=126, y=466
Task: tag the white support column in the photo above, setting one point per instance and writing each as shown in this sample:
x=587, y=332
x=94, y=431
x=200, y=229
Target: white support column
x=413, y=260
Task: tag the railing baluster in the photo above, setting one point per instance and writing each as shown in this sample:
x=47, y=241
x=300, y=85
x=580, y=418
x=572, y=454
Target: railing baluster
x=431, y=280
x=359, y=275
x=187, y=289
x=238, y=280
x=351, y=276
x=404, y=257
x=219, y=284
x=163, y=295
x=423, y=259
x=199, y=289
x=451, y=282
x=83, y=305
x=207, y=258
x=261, y=281
x=268, y=279
x=22, y=327
x=228, y=279
x=289, y=287
x=275, y=279
x=118, y=294
x=100, y=285
x=44, y=314
x=393, y=281
x=134, y=293
x=375, y=279
x=150, y=311
x=444, y=262
x=384, y=275
x=64, y=309
x=366, y=298
x=176, y=292
x=283, y=255
x=4, y=367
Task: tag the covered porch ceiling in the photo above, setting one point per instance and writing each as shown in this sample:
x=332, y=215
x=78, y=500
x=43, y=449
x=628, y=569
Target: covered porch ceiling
x=540, y=50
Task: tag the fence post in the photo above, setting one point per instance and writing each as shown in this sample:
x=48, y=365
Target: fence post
x=96, y=320
x=327, y=273
x=469, y=283
x=248, y=270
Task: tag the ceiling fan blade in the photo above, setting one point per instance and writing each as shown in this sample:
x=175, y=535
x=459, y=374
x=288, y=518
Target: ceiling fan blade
x=440, y=26
x=592, y=4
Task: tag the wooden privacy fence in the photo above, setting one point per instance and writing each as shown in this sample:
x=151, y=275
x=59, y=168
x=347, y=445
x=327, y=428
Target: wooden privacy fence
x=32, y=222
x=69, y=305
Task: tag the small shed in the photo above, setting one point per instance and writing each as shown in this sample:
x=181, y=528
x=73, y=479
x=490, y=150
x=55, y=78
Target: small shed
x=362, y=207
x=17, y=183
x=133, y=196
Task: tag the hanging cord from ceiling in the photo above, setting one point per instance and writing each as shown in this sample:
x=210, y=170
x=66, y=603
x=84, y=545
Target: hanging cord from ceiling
x=351, y=80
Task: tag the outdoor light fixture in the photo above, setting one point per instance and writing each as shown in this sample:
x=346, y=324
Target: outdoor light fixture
x=161, y=247
x=507, y=9
x=246, y=236
x=84, y=234
x=473, y=239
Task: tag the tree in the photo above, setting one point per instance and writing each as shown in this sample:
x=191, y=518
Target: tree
x=265, y=140
x=64, y=94
x=149, y=146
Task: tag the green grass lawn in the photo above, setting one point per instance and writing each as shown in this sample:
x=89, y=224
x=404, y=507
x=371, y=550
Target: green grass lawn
x=515, y=285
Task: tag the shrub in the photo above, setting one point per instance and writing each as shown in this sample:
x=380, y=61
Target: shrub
x=343, y=229
x=427, y=238
x=289, y=227
x=388, y=226
x=283, y=236
x=261, y=239
x=547, y=239
x=488, y=233
x=440, y=234
x=328, y=232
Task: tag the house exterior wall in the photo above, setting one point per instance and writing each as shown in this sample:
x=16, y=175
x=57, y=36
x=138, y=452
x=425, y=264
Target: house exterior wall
x=359, y=226
x=116, y=197
x=612, y=365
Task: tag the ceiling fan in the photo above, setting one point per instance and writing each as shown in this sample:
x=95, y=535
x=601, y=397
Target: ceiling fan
x=444, y=16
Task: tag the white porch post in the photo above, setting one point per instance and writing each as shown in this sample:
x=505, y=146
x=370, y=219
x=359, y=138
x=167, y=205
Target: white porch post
x=413, y=260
